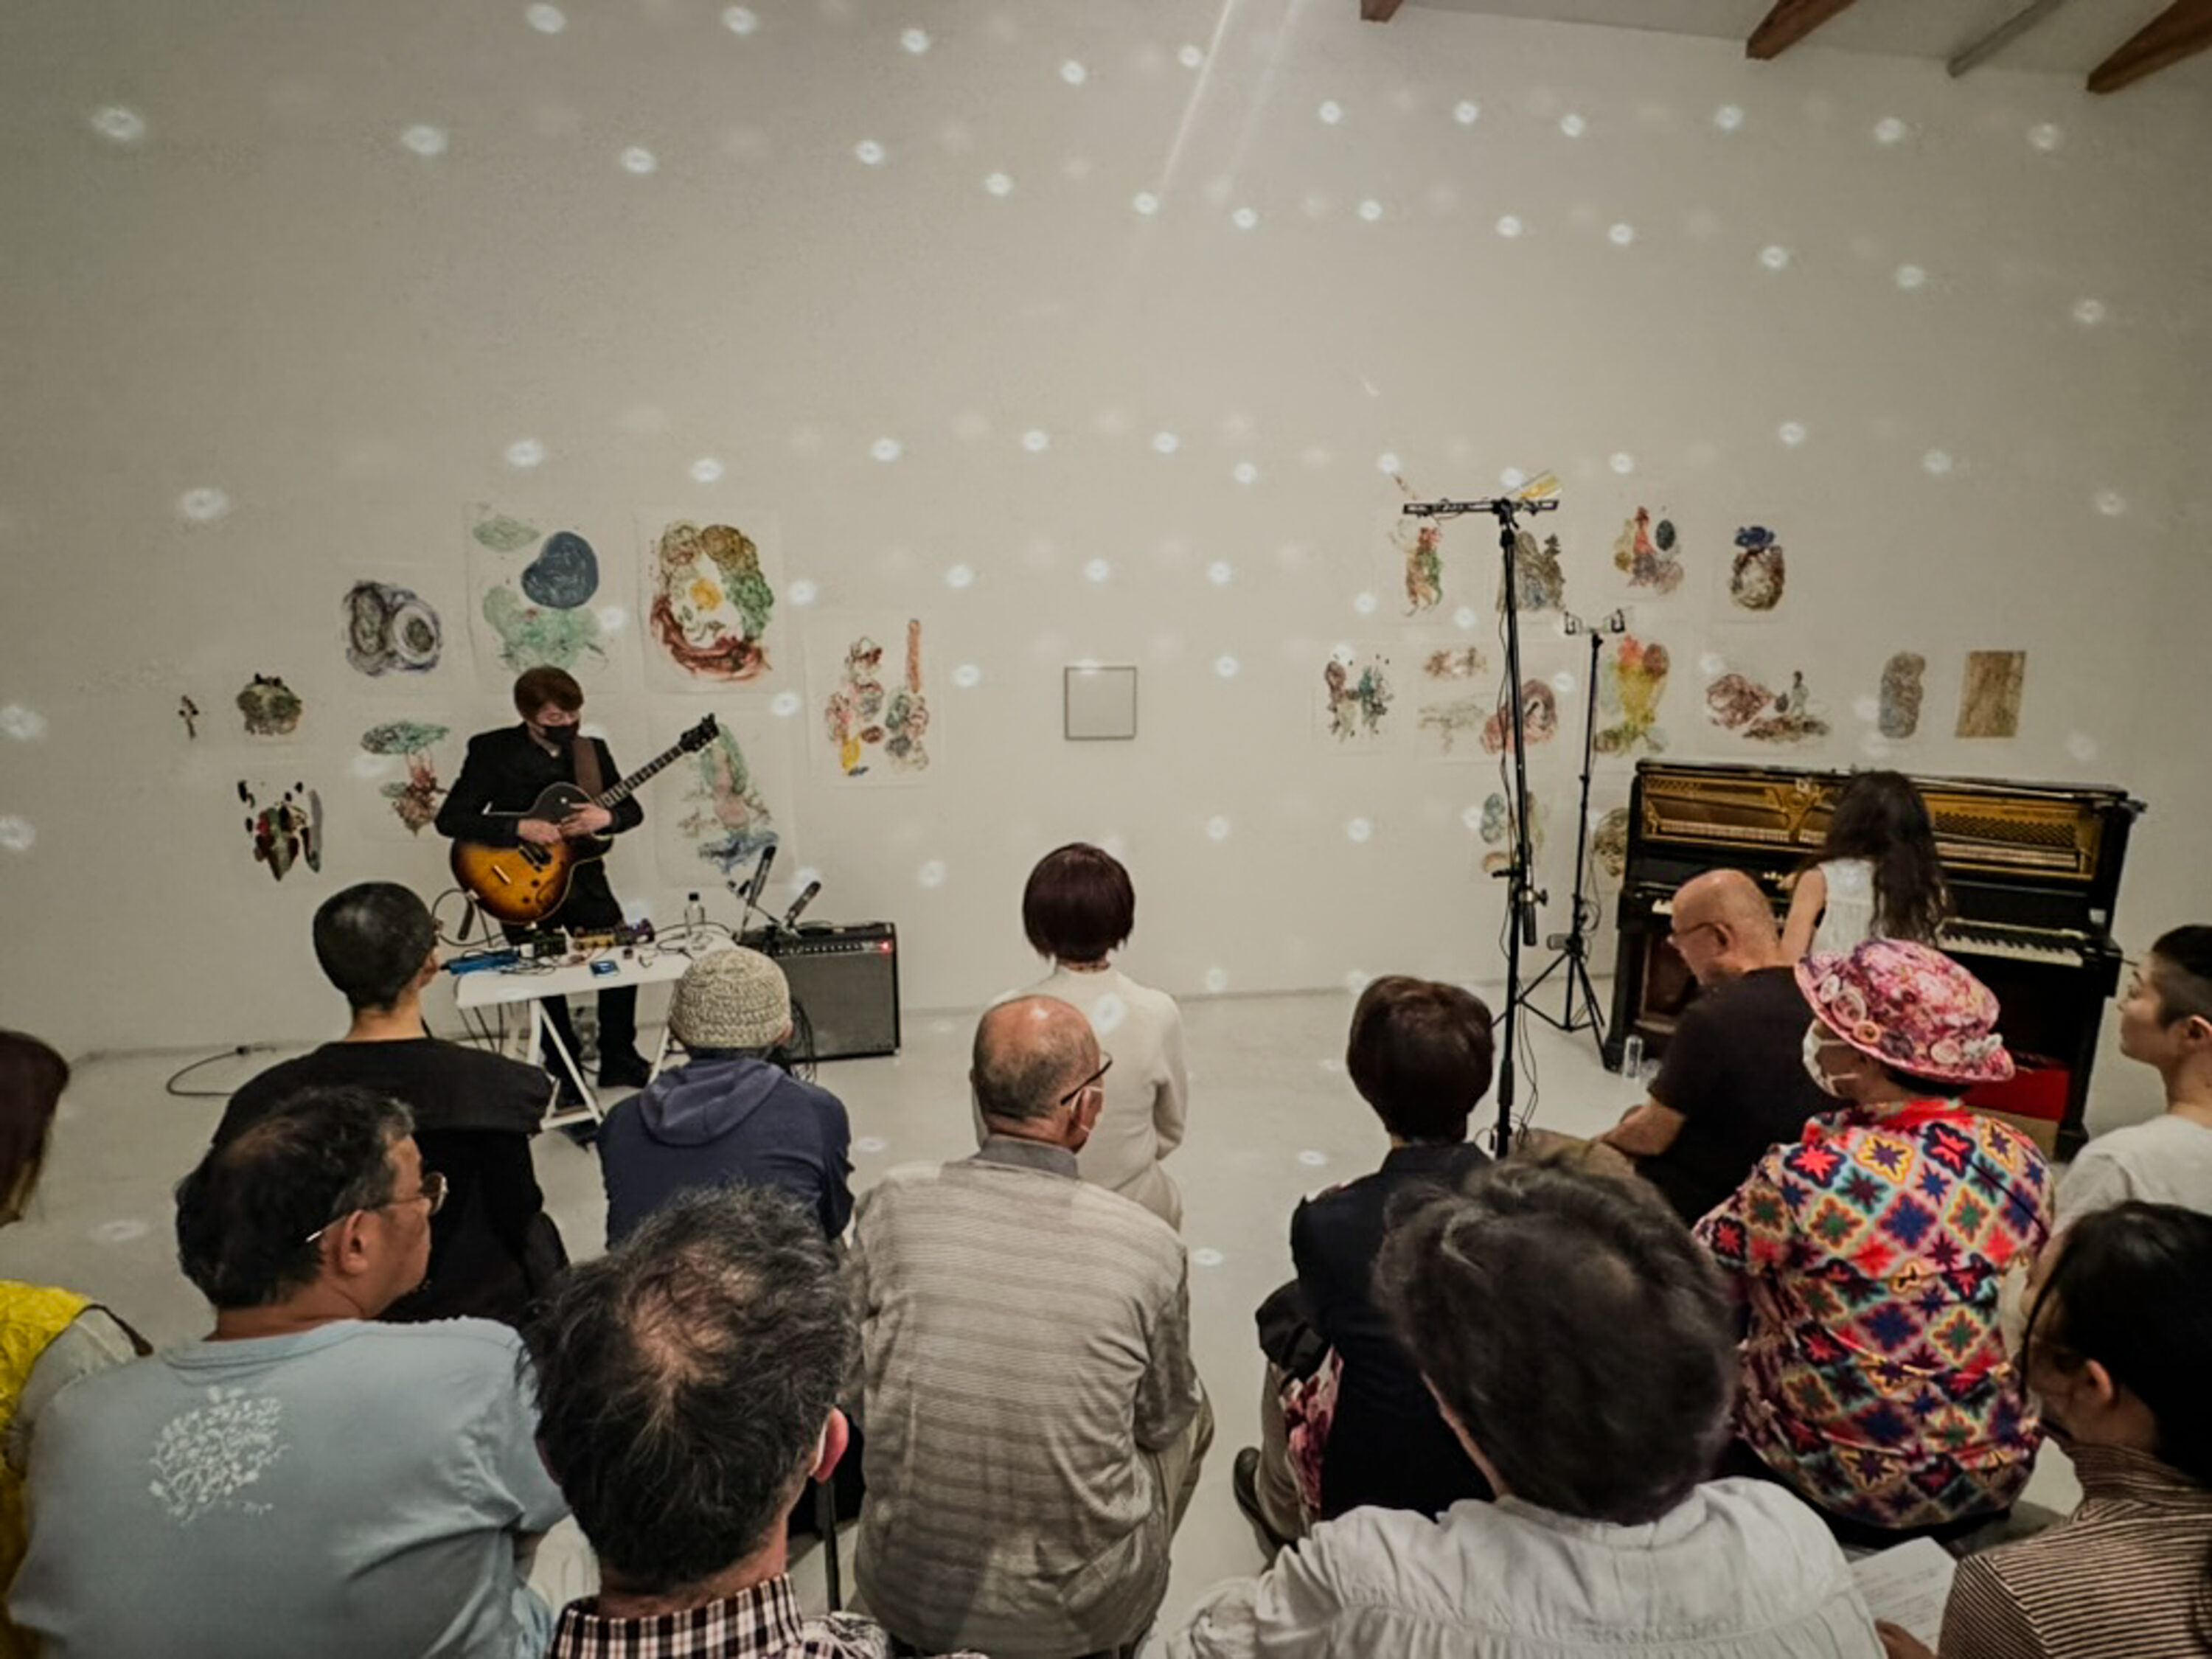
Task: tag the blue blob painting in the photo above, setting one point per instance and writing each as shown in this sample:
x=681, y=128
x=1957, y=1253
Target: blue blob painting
x=564, y=574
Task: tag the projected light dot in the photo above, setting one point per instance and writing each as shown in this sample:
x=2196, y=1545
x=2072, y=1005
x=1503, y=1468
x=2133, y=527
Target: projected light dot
x=1465, y=617
x=803, y=593
x=1792, y=433
x=203, y=505
x=784, y=704
x=1509, y=225
x=1190, y=57
x=1890, y=130
x=1217, y=979
x=1364, y=604
x=15, y=833
x=1097, y=571
x=117, y=125
x=1207, y=1256
x=1623, y=462
x=1220, y=573
x=1145, y=202
x=1387, y=461
x=2082, y=746
x=612, y=620
x=1225, y=666
x=1312, y=1159
x=1621, y=235
x=1108, y=1014
x=967, y=676
x=1370, y=209
x=999, y=185
x=1936, y=463
x=1466, y=112
x=960, y=575
x=1774, y=256
x=1910, y=276
x=707, y=469
x=870, y=1143
x=1472, y=817
x=24, y=725
x=1573, y=125
x=1036, y=441
x=425, y=140
x=740, y=20
x=1711, y=664
x=886, y=449
x=639, y=160
x=1867, y=709
x=2089, y=312
x=1875, y=746
x=2111, y=503
x=547, y=19
x=1244, y=218
x=1728, y=117
x=1359, y=830
x=1564, y=684
x=1513, y=477
x=869, y=153
x=1245, y=472
x=124, y=1230
x=1331, y=112
x=1166, y=443
x=931, y=874
x=915, y=41
x=1073, y=73
x=2046, y=136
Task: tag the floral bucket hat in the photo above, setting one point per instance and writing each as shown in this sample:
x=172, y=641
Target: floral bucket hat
x=1911, y=1007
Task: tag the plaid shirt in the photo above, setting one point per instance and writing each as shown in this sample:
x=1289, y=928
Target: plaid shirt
x=1875, y=1378
x=762, y=1622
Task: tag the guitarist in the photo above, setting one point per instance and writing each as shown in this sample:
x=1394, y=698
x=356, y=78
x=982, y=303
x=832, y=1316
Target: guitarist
x=505, y=772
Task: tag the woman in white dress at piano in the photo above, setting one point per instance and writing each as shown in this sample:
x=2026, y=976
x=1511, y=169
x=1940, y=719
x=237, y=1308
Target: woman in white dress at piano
x=1078, y=909
x=1878, y=875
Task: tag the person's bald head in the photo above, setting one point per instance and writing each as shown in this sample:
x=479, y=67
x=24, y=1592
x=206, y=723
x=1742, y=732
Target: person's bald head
x=1723, y=926
x=1029, y=1055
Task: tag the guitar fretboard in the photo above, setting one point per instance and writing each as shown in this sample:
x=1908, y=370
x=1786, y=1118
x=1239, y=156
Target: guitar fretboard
x=622, y=791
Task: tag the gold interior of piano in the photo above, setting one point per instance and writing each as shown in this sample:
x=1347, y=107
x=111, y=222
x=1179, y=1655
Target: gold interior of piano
x=1975, y=831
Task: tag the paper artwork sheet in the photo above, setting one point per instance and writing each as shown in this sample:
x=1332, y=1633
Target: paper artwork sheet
x=1759, y=575
x=1989, y=702
x=717, y=810
x=1455, y=690
x=710, y=602
x=536, y=596
x=406, y=765
x=872, y=685
x=1359, y=701
x=1648, y=551
x=1631, y=679
x=1762, y=705
x=1898, y=701
x=392, y=627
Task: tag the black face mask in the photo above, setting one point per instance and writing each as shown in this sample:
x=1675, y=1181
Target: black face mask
x=561, y=737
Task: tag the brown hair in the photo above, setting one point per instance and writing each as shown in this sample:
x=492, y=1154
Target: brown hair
x=1079, y=905
x=1420, y=1054
x=544, y=684
x=32, y=1078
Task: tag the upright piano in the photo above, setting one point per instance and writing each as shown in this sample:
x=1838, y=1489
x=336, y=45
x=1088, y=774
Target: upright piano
x=2034, y=870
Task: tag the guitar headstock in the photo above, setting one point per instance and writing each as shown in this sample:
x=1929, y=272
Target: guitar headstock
x=698, y=737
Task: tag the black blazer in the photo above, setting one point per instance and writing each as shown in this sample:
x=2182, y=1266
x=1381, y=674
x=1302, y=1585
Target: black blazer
x=1389, y=1446
x=505, y=772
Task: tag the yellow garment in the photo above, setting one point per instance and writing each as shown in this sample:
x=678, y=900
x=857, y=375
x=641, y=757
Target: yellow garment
x=31, y=1318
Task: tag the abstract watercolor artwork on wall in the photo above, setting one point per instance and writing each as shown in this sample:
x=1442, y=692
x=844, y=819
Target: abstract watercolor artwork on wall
x=1454, y=696
x=1630, y=684
x=414, y=798
x=1649, y=554
x=270, y=707
x=1540, y=719
x=1760, y=573
x=1898, y=704
x=1356, y=699
x=284, y=827
x=730, y=801
x=710, y=602
x=1739, y=703
x=391, y=630
x=1989, y=702
x=871, y=699
x=1539, y=582
x=533, y=592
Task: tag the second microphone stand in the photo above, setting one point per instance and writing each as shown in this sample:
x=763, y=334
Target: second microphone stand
x=1573, y=945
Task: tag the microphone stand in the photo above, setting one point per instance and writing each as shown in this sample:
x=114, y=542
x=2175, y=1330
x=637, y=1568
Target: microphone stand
x=1520, y=897
x=1573, y=946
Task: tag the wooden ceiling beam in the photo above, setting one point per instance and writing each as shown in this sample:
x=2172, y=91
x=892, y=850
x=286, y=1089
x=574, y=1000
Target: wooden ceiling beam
x=2182, y=30
x=1791, y=22
x=1378, y=11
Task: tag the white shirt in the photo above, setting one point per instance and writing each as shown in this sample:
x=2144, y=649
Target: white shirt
x=1147, y=1092
x=1849, y=920
x=2167, y=1160
x=1740, y=1570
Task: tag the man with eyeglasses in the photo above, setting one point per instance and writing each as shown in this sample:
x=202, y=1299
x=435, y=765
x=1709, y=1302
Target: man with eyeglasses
x=1734, y=1081
x=304, y=1480
x=1035, y=1424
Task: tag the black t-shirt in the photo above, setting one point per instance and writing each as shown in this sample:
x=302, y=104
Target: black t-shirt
x=474, y=1115
x=1735, y=1071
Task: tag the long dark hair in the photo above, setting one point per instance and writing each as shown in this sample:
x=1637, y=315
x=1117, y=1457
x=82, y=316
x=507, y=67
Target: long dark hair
x=1880, y=817
x=32, y=1078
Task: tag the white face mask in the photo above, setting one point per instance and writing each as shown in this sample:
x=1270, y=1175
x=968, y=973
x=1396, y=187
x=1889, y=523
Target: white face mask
x=1823, y=1081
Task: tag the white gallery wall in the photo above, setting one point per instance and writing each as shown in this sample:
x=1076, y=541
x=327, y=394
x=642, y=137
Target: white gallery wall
x=1077, y=333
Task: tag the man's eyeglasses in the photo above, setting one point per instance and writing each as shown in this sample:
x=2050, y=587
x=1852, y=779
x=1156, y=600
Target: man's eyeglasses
x=433, y=1189
x=1092, y=1081
x=1679, y=934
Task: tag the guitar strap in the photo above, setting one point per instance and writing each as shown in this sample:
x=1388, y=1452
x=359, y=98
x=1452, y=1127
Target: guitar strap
x=589, y=777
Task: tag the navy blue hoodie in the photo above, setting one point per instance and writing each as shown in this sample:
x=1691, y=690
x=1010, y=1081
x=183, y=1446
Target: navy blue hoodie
x=722, y=1118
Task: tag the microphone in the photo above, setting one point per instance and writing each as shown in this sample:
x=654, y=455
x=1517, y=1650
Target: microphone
x=760, y=877
x=806, y=897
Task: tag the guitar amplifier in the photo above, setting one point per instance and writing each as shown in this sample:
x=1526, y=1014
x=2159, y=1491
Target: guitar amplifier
x=846, y=979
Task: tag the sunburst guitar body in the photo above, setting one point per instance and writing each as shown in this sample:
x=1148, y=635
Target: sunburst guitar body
x=529, y=881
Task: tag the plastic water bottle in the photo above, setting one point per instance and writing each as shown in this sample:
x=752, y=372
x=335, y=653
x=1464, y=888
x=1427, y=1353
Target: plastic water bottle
x=694, y=914
x=1631, y=1055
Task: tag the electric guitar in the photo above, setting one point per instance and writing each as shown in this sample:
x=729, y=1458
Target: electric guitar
x=528, y=881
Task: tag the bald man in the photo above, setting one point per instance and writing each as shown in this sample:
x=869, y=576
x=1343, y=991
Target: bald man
x=1034, y=1422
x=1733, y=1082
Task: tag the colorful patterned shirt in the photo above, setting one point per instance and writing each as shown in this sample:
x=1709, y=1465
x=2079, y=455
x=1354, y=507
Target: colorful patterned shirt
x=1874, y=1378
x=762, y=1622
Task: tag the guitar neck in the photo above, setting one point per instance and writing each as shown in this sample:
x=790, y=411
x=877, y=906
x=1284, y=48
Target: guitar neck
x=622, y=791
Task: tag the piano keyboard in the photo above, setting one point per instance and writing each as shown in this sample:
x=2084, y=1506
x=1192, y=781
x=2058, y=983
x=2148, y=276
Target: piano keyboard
x=1981, y=939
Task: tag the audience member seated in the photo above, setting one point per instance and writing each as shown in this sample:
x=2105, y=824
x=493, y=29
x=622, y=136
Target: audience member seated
x=1078, y=909
x=730, y=1113
x=304, y=1480
x=493, y=1247
x=1733, y=1083
x=48, y=1337
x=1419, y=1054
x=687, y=1384
x=1875, y=1380
x=1035, y=1424
x=2166, y=1022
x=2115, y=1337
x=1577, y=1342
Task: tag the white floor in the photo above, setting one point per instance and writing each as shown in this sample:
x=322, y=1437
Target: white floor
x=1272, y=1117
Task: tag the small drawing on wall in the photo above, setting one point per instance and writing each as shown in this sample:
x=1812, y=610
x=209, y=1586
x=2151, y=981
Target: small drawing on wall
x=1609, y=843
x=1898, y=708
x=1497, y=822
x=1989, y=704
x=534, y=612
x=711, y=602
x=1453, y=697
x=1418, y=546
x=725, y=814
x=391, y=630
x=872, y=701
x=1356, y=699
x=189, y=713
x=1649, y=553
x=1539, y=583
x=1759, y=572
x=414, y=798
x=1540, y=719
x=1742, y=705
x=1630, y=684
x=270, y=707
x=283, y=829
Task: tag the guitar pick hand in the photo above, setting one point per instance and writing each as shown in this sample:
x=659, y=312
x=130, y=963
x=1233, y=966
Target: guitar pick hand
x=587, y=821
